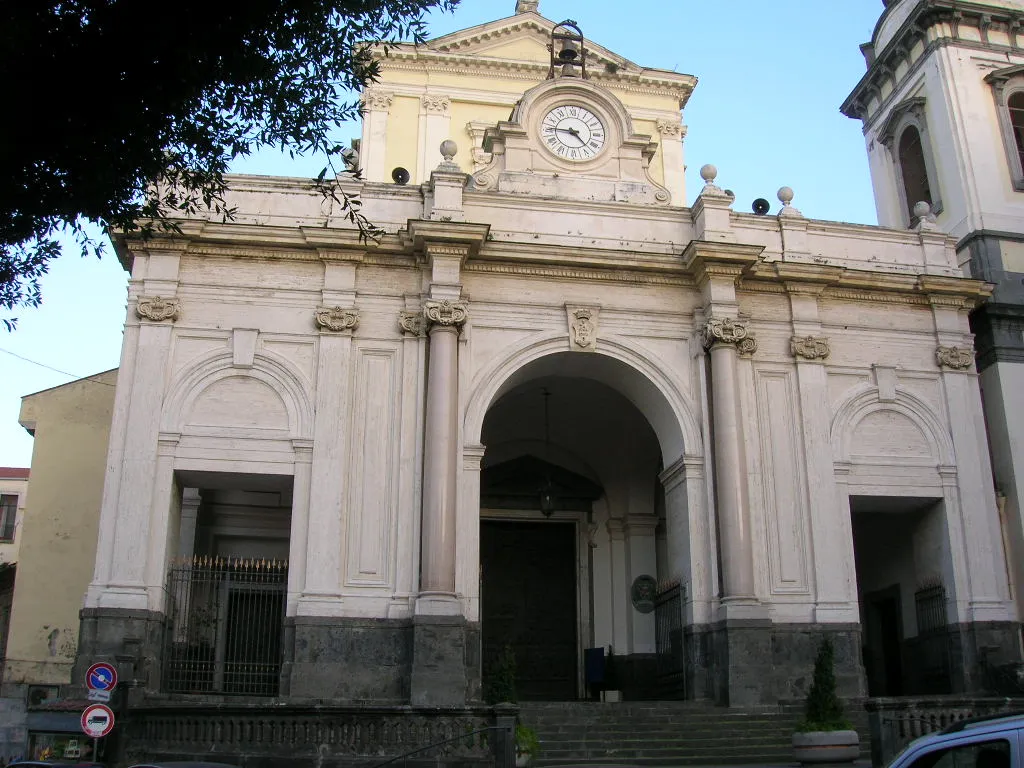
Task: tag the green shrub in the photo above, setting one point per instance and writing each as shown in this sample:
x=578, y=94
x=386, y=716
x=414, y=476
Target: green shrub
x=527, y=742
x=824, y=711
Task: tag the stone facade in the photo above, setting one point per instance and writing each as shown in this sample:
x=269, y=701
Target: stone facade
x=772, y=415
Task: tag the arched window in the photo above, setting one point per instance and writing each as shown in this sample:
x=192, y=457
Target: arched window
x=913, y=168
x=905, y=134
x=1016, y=106
x=1008, y=89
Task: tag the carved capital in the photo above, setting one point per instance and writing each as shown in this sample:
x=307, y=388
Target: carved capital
x=725, y=331
x=747, y=346
x=810, y=347
x=336, y=318
x=957, y=358
x=412, y=323
x=445, y=313
x=670, y=128
x=433, y=103
x=157, y=308
x=582, y=327
x=377, y=101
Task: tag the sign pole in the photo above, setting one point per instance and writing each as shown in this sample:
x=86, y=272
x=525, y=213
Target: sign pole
x=95, y=750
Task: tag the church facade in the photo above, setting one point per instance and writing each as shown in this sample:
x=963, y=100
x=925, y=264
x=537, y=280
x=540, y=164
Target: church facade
x=552, y=409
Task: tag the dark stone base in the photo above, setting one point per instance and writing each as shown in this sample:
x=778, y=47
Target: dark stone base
x=131, y=640
x=749, y=663
x=445, y=649
x=347, y=659
x=984, y=658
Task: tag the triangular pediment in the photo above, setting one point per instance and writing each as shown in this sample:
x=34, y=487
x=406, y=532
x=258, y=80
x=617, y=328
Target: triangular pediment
x=521, y=38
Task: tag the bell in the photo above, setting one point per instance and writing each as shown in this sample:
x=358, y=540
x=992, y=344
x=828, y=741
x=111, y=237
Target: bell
x=568, y=52
x=568, y=70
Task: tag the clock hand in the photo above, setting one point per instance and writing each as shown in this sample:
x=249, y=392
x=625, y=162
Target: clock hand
x=573, y=132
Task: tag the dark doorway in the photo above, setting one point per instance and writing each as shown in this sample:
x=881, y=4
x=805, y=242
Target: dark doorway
x=883, y=641
x=528, y=601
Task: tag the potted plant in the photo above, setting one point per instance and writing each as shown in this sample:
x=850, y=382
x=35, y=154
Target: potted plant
x=527, y=745
x=825, y=735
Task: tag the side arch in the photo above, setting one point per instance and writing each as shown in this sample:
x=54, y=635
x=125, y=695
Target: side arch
x=865, y=401
x=669, y=412
x=206, y=371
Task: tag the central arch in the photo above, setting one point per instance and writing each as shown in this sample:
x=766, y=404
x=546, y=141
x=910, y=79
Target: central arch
x=638, y=375
x=626, y=442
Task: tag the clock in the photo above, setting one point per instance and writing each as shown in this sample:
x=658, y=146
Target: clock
x=573, y=132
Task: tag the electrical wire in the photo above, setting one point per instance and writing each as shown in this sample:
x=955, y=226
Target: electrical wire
x=57, y=370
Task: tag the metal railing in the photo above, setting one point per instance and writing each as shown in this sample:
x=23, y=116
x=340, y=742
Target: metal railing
x=669, y=644
x=225, y=626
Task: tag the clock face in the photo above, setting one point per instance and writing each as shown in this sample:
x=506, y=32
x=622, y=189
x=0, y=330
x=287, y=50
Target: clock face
x=573, y=133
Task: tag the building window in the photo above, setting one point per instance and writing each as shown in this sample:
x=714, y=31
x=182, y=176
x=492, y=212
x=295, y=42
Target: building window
x=8, y=516
x=1008, y=90
x=905, y=135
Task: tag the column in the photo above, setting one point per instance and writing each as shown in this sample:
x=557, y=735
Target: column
x=190, y=502
x=440, y=459
x=435, y=127
x=373, y=145
x=721, y=337
x=672, y=133
x=642, y=562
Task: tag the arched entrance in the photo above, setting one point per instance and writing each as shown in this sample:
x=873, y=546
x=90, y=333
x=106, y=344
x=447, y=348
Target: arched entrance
x=558, y=574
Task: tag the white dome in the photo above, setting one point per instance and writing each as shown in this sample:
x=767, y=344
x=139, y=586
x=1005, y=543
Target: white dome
x=898, y=10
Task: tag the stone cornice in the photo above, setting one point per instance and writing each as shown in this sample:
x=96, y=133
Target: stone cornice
x=706, y=259
x=643, y=81
x=916, y=27
x=450, y=238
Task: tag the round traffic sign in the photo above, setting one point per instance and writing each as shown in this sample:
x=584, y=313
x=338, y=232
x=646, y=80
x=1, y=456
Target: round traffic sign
x=97, y=721
x=101, y=677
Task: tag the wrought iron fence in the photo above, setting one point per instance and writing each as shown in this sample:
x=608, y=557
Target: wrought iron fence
x=929, y=654
x=671, y=652
x=225, y=625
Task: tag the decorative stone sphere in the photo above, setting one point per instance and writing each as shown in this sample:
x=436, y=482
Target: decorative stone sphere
x=708, y=173
x=449, y=149
x=785, y=195
x=922, y=210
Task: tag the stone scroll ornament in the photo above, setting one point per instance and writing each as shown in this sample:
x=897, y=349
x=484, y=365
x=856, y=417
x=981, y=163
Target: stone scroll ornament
x=157, y=308
x=810, y=347
x=336, y=318
x=445, y=313
x=957, y=358
x=412, y=323
x=728, y=331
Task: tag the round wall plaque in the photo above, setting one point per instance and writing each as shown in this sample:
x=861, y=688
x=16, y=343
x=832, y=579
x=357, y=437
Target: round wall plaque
x=643, y=592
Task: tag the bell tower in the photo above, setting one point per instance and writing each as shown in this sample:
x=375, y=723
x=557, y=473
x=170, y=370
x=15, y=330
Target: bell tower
x=942, y=105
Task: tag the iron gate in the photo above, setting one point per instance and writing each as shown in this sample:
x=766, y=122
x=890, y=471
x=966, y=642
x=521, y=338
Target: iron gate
x=225, y=625
x=671, y=653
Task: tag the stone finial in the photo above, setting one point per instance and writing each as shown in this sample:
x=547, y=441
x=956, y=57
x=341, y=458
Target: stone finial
x=785, y=195
x=527, y=6
x=709, y=173
x=924, y=216
x=449, y=149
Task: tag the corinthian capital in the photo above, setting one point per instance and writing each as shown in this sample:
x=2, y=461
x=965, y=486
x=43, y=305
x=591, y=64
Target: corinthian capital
x=670, y=128
x=157, y=309
x=434, y=103
x=377, y=101
x=957, y=358
x=336, y=318
x=726, y=331
x=445, y=313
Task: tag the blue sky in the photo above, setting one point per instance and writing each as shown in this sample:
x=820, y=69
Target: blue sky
x=765, y=112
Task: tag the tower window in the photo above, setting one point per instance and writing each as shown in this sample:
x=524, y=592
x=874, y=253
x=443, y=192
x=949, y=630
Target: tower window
x=913, y=168
x=1015, y=104
x=1008, y=90
x=905, y=134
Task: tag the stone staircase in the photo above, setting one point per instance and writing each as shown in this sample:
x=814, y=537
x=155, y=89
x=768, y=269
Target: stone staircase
x=665, y=733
